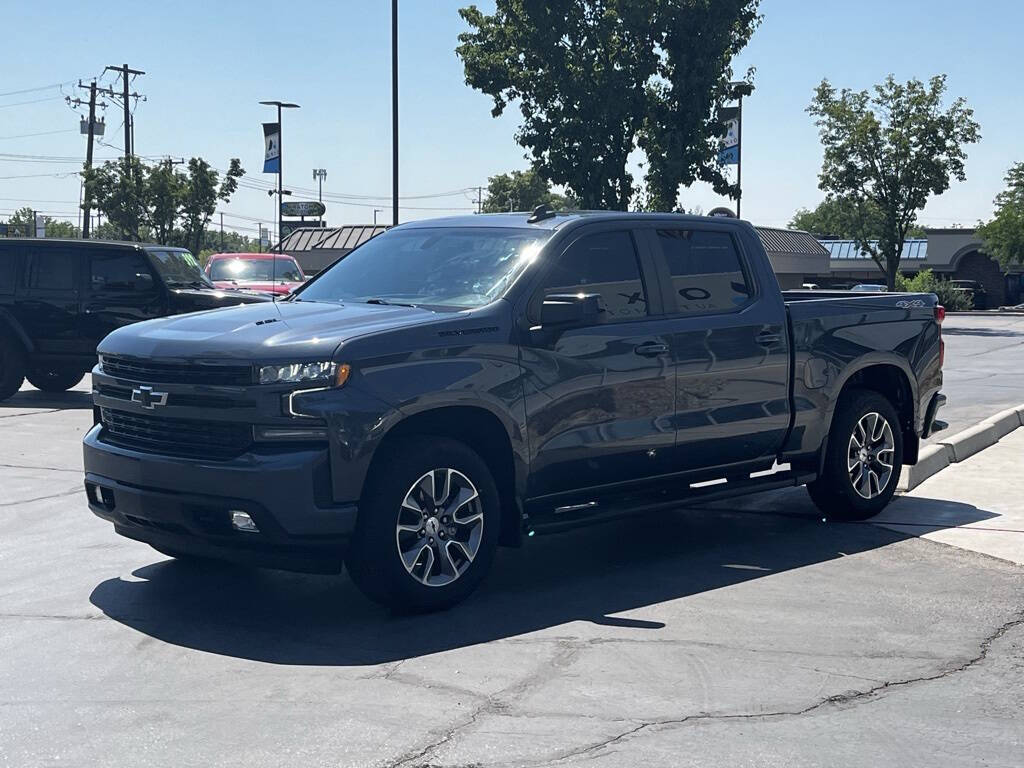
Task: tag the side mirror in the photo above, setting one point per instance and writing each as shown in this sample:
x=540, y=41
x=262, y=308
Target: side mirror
x=570, y=308
x=143, y=281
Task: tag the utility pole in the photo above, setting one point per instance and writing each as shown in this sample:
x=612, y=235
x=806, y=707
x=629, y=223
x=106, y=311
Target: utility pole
x=394, y=112
x=124, y=70
x=739, y=157
x=222, y=231
x=479, y=199
x=91, y=133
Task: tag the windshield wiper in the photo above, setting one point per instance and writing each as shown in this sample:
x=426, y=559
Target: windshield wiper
x=387, y=303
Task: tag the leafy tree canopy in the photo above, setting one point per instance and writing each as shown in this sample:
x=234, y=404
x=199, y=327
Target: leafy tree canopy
x=890, y=150
x=159, y=202
x=1004, y=235
x=844, y=219
x=597, y=79
x=22, y=223
x=522, y=191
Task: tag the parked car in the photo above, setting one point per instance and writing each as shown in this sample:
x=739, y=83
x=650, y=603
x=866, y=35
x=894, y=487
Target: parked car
x=457, y=384
x=974, y=290
x=58, y=298
x=268, y=272
x=869, y=288
x=810, y=286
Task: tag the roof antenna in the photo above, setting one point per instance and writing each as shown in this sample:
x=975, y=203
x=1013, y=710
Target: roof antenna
x=540, y=213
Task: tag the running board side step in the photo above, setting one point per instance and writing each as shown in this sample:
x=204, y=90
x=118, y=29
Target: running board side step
x=615, y=507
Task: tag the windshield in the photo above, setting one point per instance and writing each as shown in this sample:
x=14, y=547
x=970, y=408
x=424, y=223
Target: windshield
x=262, y=270
x=179, y=268
x=442, y=267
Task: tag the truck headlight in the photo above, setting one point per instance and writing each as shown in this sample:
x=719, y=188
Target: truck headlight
x=327, y=373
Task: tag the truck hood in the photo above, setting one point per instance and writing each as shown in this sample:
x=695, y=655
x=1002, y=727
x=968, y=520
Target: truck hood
x=195, y=299
x=269, y=332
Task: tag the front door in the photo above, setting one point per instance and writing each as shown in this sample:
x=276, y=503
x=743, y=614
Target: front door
x=121, y=290
x=599, y=397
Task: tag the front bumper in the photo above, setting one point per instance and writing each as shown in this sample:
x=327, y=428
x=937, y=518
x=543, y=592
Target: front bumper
x=185, y=505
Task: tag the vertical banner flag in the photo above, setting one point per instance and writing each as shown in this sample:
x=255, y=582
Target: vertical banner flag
x=729, y=154
x=272, y=144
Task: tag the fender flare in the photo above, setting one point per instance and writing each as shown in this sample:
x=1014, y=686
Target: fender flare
x=8, y=320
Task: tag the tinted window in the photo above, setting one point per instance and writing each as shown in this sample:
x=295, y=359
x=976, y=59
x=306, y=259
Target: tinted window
x=52, y=269
x=707, y=274
x=8, y=270
x=116, y=270
x=606, y=264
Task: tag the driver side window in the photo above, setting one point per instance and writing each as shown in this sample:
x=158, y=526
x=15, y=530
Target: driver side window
x=117, y=271
x=606, y=264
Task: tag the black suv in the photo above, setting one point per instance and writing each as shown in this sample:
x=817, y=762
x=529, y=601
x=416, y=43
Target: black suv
x=59, y=298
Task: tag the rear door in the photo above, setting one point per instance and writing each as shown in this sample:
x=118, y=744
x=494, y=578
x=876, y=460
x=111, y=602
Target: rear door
x=729, y=346
x=599, y=396
x=122, y=289
x=46, y=302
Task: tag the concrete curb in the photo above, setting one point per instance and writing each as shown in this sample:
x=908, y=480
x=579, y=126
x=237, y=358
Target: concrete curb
x=935, y=458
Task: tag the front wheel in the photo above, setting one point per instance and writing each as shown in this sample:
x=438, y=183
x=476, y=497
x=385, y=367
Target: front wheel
x=12, y=364
x=54, y=379
x=863, y=459
x=428, y=526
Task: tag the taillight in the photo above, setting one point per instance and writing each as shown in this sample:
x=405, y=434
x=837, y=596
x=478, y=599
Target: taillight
x=940, y=313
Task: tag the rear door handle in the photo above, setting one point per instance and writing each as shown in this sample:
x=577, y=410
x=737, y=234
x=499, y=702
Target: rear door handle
x=768, y=338
x=651, y=349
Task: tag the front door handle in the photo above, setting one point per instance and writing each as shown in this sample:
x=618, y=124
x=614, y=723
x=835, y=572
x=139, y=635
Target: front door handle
x=651, y=349
x=768, y=338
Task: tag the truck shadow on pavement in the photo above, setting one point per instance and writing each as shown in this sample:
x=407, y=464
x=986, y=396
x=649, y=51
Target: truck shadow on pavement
x=63, y=401
x=586, y=575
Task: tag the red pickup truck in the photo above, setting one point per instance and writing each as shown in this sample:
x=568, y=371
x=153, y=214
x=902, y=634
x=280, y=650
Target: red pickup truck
x=266, y=272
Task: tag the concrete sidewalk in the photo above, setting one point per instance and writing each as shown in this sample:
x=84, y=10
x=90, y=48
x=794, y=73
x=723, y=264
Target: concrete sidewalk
x=976, y=504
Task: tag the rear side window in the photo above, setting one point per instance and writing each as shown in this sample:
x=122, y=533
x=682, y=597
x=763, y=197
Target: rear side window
x=9, y=259
x=51, y=269
x=604, y=263
x=117, y=270
x=706, y=270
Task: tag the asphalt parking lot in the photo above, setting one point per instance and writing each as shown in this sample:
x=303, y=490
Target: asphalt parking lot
x=738, y=633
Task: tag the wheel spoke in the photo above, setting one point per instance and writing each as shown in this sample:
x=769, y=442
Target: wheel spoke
x=412, y=556
x=465, y=552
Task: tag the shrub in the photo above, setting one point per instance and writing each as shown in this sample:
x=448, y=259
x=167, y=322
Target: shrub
x=925, y=281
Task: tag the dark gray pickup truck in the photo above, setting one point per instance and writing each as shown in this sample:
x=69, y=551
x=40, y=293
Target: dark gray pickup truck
x=457, y=384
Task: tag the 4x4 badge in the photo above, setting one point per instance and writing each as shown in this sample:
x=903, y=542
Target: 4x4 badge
x=147, y=398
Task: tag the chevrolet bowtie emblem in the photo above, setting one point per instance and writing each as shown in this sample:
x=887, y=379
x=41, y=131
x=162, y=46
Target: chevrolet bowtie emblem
x=147, y=398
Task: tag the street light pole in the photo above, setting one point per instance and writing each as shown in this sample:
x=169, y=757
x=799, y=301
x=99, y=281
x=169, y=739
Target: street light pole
x=394, y=112
x=319, y=174
x=280, y=162
x=375, y=212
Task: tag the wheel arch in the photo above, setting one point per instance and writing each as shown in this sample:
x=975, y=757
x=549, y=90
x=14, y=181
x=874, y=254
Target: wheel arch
x=9, y=322
x=893, y=381
x=485, y=433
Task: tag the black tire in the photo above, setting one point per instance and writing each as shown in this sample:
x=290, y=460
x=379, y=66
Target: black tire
x=374, y=560
x=12, y=364
x=834, y=492
x=54, y=379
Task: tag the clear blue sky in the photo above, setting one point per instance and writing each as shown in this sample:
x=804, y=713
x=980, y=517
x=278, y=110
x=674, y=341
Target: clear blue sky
x=208, y=64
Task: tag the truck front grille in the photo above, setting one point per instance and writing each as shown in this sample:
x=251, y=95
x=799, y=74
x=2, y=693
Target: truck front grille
x=152, y=372
x=187, y=438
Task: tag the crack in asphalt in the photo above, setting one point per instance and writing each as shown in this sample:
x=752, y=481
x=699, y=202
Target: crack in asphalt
x=45, y=469
x=62, y=494
x=494, y=703
x=852, y=697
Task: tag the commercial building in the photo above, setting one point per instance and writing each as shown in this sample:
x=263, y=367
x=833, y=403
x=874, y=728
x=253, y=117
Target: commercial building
x=955, y=254
x=316, y=249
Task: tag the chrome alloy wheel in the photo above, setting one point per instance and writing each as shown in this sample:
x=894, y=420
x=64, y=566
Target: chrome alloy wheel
x=871, y=455
x=440, y=527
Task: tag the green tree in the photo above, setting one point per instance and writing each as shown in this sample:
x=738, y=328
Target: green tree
x=842, y=218
x=522, y=191
x=23, y=222
x=595, y=79
x=119, y=190
x=201, y=190
x=1004, y=235
x=894, y=148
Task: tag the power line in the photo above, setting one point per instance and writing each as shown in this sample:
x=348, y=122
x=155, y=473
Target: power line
x=40, y=133
x=32, y=101
x=38, y=88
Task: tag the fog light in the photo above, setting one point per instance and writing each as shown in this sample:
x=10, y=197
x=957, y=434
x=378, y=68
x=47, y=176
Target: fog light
x=241, y=521
x=94, y=493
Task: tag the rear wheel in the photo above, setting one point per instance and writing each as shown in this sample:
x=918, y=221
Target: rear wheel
x=12, y=364
x=863, y=458
x=428, y=526
x=54, y=379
